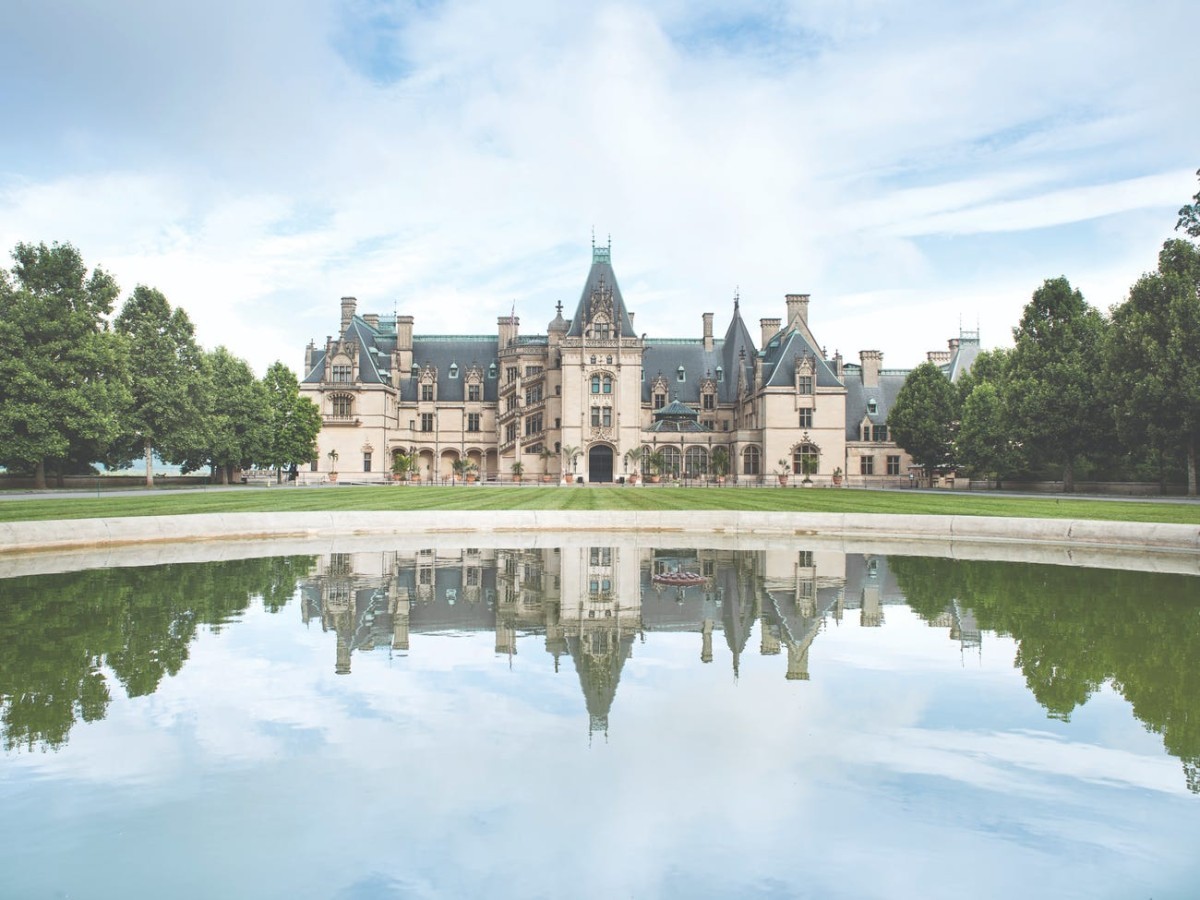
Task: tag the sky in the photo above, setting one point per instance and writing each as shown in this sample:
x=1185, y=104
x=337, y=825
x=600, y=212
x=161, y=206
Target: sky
x=916, y=168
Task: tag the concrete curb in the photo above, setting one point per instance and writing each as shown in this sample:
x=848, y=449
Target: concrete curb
x=51, y=536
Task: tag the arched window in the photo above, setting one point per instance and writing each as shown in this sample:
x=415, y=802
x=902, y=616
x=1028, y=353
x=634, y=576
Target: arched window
x=695, y=462
x=671, y=460
x=751, y=461
x=341, y=406
x=805, y=459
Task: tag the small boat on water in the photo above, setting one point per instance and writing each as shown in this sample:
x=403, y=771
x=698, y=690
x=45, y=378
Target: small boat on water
x=679, y=578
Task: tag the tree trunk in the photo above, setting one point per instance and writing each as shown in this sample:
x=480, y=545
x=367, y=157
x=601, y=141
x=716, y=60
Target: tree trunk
x=1069, y=477
x=149, y=452
x=60, y=476
x=1191, y=464
x=39, y=475
x=219, y=471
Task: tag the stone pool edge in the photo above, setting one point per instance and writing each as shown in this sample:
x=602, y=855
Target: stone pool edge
x=57, y=535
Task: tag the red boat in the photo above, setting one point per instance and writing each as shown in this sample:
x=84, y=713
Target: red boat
x=680, y=578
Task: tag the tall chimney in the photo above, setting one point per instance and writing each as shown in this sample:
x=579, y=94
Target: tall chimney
x=348, y=304
x=404, y=347
x=872, y=362
x=508, y=327
x=797, y=309
x=708, y=334
x=372, y=319
x=770, y=328
x=310, y=355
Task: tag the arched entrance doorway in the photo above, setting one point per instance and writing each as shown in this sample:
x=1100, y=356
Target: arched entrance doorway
x=600, y=464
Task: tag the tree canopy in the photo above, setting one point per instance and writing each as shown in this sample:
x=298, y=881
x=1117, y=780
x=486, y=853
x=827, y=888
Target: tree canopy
x=923, y=417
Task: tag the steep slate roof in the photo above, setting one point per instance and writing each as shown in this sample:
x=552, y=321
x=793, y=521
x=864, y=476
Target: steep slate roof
x=441, y=351
x=601, y=274
x=857, y=395
x=779, y=360
x=666, y=355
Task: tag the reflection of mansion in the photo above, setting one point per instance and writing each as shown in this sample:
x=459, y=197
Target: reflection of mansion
x=590, y=603
x=589, y=393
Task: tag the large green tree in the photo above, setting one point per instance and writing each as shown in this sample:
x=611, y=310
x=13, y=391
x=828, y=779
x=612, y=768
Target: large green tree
x=1189, y=216
x=922, y=419
x=1055, y=380
x=295, y=421
x=237, y=417
x=1152, y=360
x=165, y=376
x=985, y=444
x=63, y=385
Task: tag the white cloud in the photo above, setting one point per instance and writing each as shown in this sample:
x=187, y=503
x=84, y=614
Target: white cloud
x=256, y=165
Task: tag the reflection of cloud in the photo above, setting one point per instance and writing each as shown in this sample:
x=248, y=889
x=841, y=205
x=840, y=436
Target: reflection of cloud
x=446, y=772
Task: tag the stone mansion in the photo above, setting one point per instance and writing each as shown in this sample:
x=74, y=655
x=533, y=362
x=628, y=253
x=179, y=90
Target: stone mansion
x=591, y=398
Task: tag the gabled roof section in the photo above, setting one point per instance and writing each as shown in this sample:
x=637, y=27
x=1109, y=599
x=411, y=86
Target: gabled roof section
x=779, y=360
x=601, y=294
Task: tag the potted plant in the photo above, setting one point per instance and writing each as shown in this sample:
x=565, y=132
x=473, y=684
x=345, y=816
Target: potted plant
x=837, y=477
x=720, y=464
x=333, y=458
x=633, y=460
x=547, y=454
x=808, y=464
x=783, y=469
x=517, y=468
x=570, y=454
x=402, y=465
x=656, y=461
x=464, y=469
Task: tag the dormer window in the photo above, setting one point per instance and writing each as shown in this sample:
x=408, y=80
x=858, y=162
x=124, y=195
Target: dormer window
x=720, y=374
x=872, y=407
x=416, y=371
x=492, y=371
x=453, y=370
x=680, y=375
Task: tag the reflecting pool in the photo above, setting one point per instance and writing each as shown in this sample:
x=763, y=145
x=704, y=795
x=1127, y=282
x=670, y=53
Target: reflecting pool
x=601, y=718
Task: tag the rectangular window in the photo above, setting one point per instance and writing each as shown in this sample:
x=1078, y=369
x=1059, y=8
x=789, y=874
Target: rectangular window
x=707, y=401
x=595, y=417
x=606, y=416
x=532, y=370
x=724, y=424
x=427, y=421
x=510, y=432
x=533, y=395
x=533, y=424
x=366, y=461
x=602, y=331
x=866, y=465
x=709, y=424
x=474, y=392
x=893, y=464
x=510, y=373
x=427, y=392
x=806, y=418
x=312, y=466
x=806, y=559
x=343, y=373
x=804, y=384
x=660, y=400
x=866, y=432
x=473, y=421
x=880, y=433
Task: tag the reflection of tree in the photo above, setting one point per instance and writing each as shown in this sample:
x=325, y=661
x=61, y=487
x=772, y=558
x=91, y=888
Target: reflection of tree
x=1078, y=628
x=62, y=630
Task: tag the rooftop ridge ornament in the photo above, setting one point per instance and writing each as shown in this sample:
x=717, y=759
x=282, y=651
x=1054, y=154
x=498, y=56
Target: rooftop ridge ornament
x=601, y=254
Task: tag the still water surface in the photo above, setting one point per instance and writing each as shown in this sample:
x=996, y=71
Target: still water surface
x=558, y=722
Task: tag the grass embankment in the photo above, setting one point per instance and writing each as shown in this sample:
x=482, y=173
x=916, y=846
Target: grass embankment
x=415, y=499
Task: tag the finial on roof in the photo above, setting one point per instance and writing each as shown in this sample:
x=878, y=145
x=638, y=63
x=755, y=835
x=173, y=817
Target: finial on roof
x=737, y=297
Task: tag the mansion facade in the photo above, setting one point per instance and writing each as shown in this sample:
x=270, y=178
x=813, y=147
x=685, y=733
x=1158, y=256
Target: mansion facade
x=590, y=399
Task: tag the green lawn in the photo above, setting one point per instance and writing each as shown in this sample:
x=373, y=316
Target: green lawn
x=289, y=499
